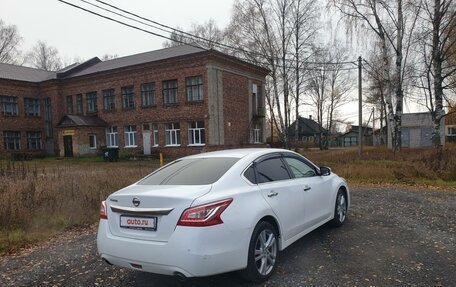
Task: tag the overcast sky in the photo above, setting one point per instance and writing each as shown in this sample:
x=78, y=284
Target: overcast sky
x=76, y=33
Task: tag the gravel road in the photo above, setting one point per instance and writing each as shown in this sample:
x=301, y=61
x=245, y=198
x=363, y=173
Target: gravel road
x=393, y=237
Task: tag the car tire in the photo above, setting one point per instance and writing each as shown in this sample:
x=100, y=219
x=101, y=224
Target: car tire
x=262, y=255
x=340, y=210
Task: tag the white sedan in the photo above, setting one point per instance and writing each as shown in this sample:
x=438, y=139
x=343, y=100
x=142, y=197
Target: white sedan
x=218, y=212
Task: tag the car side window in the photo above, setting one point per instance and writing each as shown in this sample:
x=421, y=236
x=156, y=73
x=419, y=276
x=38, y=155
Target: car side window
x=250, y=174
x=300, y=168
x=272, y=169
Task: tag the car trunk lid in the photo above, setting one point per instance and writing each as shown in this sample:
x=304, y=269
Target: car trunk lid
x=150, y=212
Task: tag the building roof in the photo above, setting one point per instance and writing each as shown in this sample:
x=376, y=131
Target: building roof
x=307, y=127
x=27, y=74
x=81, y=121
x=95, y=65
x=141, y=58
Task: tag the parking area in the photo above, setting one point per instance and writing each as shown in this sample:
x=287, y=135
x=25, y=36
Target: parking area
x=393, y=237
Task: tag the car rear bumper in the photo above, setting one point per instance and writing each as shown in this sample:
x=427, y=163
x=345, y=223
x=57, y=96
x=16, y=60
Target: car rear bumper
x=191, y=251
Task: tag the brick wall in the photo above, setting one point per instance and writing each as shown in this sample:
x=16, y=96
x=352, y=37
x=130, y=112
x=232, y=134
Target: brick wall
x=234, y=92
x=21, y=122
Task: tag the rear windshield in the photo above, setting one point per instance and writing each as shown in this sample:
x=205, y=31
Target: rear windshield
x=198, y=171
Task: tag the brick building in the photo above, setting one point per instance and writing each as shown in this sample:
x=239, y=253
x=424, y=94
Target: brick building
x=178, y=101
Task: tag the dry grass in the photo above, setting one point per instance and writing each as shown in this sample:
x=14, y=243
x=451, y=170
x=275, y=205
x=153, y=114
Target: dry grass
x=41, y=197
x=380, y=165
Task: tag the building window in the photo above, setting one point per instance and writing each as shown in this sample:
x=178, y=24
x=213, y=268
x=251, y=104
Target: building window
x=93, y=141
x=170, y=92
x=32, y=107
x=8, y=105
x=109, y=100
x=350, y=141
x=48, y=117
x=130, y=136
x=155, y=134
x=172, y=134
x=128, y=100
x=92, y=102
x=79, y=106
x=112, y=137
x=12, y=140
x=451, y=131
x=194, y=88
x=69, y=104
x=34, y=140
x=257, y=135
x=148, y=95
x=196, y=133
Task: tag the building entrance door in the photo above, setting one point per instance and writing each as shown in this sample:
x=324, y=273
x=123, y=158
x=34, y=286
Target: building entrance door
x=146, y=142
x=68, y=146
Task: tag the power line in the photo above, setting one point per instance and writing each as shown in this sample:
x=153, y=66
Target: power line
x=193, y=36
x=189, y=44
x=128, y=25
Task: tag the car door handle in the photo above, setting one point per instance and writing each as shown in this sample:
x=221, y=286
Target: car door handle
x=307, y=188
x=272, y=193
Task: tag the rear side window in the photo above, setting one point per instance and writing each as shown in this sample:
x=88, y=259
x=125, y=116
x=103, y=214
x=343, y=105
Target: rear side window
x=271, y=170
x=250, y=174
x=199, y=171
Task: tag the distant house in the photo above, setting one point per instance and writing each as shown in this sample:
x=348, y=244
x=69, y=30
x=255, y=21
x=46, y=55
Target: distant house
x=450, y=126
x=309, y=131
x=350, y=138
x=416, y=131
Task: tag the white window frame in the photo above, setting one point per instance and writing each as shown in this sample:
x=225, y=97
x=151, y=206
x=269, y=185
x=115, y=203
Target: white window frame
x=112, y=137
x=257, y=137
x=94, y=141
x=172, y=134
x=130, y=136
x=155, y=135
x=198, y=130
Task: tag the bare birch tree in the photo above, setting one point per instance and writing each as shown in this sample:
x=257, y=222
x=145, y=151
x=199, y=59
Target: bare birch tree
x=9, y=44
x=208, y=35
x=377, y=86
x=45, y=57
x=304, y=20
x=328, y=86
x=437, y=46
x=393, y=23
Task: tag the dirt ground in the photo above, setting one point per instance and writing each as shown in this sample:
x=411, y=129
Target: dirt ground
x=393, y=237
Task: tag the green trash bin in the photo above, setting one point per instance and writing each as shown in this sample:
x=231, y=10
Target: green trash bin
x=111, y=154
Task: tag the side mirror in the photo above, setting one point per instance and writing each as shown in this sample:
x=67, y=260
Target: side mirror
x=324, y=171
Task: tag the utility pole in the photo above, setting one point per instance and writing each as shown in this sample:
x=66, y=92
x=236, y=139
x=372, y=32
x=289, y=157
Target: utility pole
x=373, y=126
x=360, y=107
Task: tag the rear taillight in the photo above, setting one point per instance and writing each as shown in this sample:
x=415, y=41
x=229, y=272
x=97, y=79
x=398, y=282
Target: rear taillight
x=103, y=211
x=204, y=215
